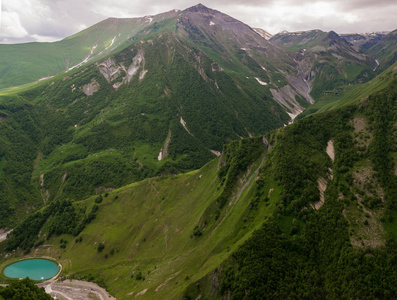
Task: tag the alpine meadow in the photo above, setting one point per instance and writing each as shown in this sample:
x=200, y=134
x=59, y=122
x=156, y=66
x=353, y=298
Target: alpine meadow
x=186, y=155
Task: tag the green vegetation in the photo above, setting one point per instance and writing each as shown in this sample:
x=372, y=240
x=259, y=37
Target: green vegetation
x=327, y=61
x=25, y=63
x=60, y=217
x=24, y=289
x=145, y=228
x=324, y=253
x=346, y=95
x=385, y=51
x=60, y=143
x=115, y=174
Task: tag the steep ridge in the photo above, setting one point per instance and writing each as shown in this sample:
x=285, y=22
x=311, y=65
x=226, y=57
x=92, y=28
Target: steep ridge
x=263, y=33
x=385, y=51
x=238, y=47
x=326, y=60
x=25, y=63
x=306, y=253
x=352, y=93
x=363, y=41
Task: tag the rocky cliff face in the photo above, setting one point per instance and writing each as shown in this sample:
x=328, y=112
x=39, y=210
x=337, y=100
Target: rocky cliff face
x=326, y=60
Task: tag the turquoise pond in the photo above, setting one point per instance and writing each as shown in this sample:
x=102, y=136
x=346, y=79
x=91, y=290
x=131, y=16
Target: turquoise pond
x=36, y=269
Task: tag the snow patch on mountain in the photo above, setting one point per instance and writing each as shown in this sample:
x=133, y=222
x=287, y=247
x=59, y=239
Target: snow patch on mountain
x=263, y=33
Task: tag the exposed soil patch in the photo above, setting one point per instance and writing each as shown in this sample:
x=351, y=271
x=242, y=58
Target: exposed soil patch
x=362, y=134
x=164, y=151
x=366, y=229
x=3, y=234
x=322, y=186
x=183, y=123
x=331, y=150
x=76, y=290
x=90, y=88
x=164, y=284
x=364, y=180
x=141, y=293
x=359, y=124
x=217, y=153
x=286, y=96
x=110, y=70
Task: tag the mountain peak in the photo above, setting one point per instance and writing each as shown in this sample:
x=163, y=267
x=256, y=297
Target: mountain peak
x=200, y=8
x=197, y=7
x=334, y=38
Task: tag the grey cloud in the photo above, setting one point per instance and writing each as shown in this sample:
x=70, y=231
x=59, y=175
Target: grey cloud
x=58, y=19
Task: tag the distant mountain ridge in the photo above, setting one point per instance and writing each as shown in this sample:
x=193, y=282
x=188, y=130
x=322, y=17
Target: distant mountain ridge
x=326, y=59
x=364, y=41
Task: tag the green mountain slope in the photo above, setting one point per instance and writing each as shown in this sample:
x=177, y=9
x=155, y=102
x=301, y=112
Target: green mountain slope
x=247, y=55
x=24, y=63
x=296, y=219
x=363, y=41
x=385, y=51
x=170, y=230
x=91, y=167
x=335, y=216
x=326, y=60
x=352, y=93
x=166, y=103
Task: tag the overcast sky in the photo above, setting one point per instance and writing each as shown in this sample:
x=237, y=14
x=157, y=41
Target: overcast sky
x=51, y=20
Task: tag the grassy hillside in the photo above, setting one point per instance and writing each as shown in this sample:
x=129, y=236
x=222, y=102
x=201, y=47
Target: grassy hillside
x=340, y=245
x=346, y=95
x=297, y=219
x=163, y=233
x=326, y=60
x=385, y=51
x=25, y=63
x=113, y=168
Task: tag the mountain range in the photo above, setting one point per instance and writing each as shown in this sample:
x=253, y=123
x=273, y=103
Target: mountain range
x=188, y=155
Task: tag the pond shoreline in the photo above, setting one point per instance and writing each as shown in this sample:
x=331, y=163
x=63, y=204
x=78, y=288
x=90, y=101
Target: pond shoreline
x=36, y=269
